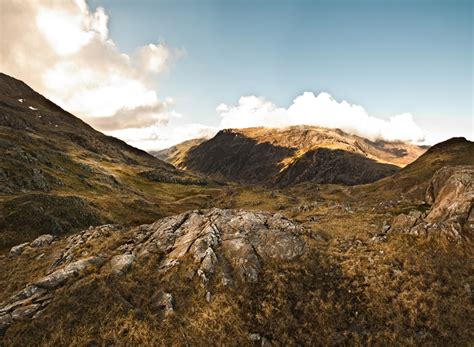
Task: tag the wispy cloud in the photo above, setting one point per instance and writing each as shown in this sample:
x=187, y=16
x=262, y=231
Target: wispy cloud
x=158, y=137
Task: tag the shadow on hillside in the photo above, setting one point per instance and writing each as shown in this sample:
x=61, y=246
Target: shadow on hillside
x=235, y=157
x=232, y=156
x=325, y=165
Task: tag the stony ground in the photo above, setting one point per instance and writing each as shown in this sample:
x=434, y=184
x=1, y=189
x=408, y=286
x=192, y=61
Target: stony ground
x=326, y=270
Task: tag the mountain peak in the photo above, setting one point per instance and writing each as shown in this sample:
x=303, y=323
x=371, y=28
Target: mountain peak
x=291, y=155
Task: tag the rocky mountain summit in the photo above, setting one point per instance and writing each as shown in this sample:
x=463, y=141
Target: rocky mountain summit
x=288, y=156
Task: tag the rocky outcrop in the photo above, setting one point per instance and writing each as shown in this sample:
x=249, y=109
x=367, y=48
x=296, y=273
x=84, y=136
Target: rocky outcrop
x=219, y=247
x=451, y=195
x=233, y=244
x=451, y=192
x=34, y=298
x=18, y=249
x=41, y=241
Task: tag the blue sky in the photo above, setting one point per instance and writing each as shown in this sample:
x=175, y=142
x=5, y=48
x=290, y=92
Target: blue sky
x=155, y=73
x=388, y=56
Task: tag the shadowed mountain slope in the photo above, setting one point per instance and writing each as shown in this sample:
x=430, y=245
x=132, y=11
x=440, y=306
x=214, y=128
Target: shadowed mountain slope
x=57, y=173
x=293, y=155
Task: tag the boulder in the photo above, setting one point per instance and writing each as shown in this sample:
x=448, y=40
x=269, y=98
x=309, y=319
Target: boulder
x=42, y=241
x=18, y=249
x=60, y=276
x=121, y=263
x=25, y=311
x=404, y=222
x=451, y=193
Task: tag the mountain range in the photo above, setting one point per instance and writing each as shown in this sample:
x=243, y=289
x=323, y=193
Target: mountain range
x=292, y=155
x=255, y=237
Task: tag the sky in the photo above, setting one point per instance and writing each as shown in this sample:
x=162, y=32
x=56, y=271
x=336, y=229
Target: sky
x=155, y=73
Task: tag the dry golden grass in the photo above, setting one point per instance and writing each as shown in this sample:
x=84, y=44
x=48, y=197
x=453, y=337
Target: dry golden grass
x=346, y=290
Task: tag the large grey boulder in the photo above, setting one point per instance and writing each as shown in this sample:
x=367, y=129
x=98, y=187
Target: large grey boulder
x=451, y=195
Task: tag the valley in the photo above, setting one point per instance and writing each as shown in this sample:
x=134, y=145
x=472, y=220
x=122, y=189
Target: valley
x=255, y=237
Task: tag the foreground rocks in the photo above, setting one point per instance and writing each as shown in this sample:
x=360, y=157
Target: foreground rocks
x=121, y=263
x=37, y=295
x=219, y=247
x=42, y=241
x=451, y=195
x=451, y=192
x=231, y=243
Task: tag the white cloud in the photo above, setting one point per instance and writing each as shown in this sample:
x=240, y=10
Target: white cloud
x=163, y=136
x=321, y=110
x=63, y=50
x=153, y=58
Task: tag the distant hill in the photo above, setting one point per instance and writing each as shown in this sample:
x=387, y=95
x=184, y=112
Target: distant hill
x=174, y=153
x=287, y=156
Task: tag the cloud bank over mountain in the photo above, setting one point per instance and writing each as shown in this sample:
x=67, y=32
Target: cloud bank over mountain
x=321, y=110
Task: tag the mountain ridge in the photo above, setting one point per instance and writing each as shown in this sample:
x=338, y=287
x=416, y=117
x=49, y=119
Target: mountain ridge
x=258, y=155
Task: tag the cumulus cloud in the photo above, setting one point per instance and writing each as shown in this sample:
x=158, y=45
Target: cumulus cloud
x=321, y=110
x=139, y=117
x=63, y=50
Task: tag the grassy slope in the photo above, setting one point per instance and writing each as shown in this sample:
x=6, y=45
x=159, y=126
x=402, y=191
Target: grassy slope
x=346, y=290
x=57, y=174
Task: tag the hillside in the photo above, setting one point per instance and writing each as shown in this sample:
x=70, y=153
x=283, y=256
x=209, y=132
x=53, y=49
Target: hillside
x=412, y=180
x=293, y=155
x=323, y=270
x=58, y=174
x=183, y=260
